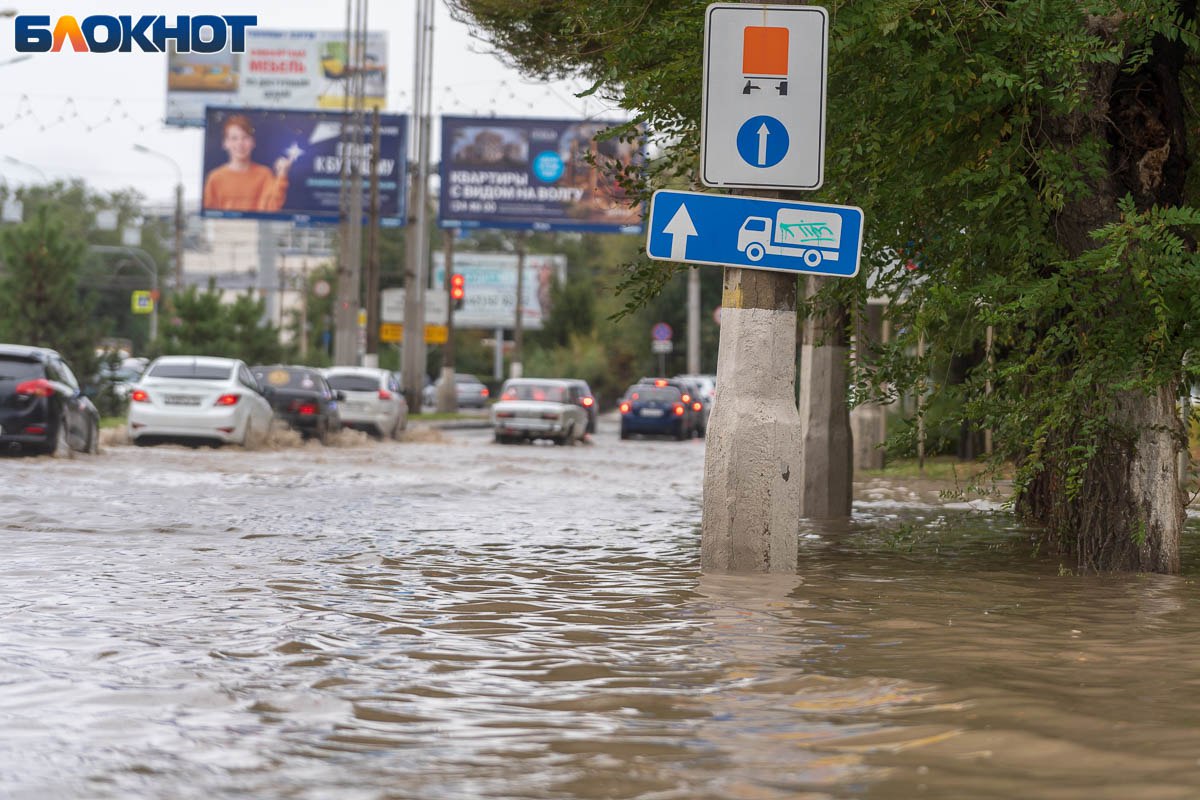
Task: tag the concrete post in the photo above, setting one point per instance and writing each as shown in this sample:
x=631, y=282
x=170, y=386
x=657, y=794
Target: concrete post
x=752, y=459
x=868, y=426
x=693, y=321
x=827, y=471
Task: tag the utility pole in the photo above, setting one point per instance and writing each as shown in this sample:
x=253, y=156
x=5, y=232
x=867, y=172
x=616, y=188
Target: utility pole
x=415, y=272
x=693, y=317
x=372, y=357
x=516, y=369
x=349, y=274
x=447, y=399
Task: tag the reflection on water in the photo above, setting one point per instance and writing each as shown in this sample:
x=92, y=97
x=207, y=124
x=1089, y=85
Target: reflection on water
x=462, y=620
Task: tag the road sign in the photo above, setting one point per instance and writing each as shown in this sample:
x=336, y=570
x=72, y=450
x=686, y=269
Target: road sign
x=141, y=302
x=661, y=346
x=754, y=232
x=763, y=123
x=391, y=306
x=661, y=332
x=394, y=332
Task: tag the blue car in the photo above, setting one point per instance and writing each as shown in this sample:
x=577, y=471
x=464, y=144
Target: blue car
x=654, y=411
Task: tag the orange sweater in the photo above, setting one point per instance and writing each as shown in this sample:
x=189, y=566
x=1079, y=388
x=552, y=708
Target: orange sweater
x=254, y=189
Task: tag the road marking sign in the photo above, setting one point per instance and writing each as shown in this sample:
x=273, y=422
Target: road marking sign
x=141, y=302
x=753, y=232
x=763, y=123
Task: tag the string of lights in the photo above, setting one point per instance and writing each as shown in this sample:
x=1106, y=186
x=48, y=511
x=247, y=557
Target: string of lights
x=44, y=113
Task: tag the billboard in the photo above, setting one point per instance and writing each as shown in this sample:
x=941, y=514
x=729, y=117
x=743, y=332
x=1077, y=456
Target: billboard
x=533, y=174
x=287, y=165
x=280, y=69
x=491, y=288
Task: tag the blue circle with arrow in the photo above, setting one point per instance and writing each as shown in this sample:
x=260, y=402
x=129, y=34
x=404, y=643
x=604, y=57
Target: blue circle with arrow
x=762, y=141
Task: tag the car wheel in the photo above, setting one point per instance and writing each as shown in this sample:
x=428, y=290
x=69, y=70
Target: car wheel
x=566, y=438
x=397, y=430
x=61, y=447
x=624, y=433
x=683, y=433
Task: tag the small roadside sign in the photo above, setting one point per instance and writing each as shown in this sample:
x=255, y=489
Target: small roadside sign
x=763, y=119
x=757, y=233
x=661, y=346
x=661, y=332
x=392, y=332
x=141, y=302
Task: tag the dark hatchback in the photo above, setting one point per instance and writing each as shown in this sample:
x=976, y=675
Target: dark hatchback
x=654, y=411
x=42, y=409
x=301, y=397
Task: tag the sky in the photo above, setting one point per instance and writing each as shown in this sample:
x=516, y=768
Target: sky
x=78, y=115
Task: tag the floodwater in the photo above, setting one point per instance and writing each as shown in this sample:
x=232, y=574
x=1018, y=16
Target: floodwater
x=450, y=618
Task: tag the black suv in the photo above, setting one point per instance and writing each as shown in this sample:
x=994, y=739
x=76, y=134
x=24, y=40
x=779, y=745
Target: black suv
x=42, y=409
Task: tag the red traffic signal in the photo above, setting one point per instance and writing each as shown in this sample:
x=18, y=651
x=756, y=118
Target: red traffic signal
x=457, y=289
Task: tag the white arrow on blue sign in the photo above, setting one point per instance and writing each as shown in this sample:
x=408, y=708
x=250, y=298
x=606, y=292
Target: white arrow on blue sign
x=756, y=233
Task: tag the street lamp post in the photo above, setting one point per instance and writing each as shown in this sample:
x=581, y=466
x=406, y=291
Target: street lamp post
x=179, y=221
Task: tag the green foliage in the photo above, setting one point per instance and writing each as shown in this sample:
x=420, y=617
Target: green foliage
x=202, y=324
x=39, y=301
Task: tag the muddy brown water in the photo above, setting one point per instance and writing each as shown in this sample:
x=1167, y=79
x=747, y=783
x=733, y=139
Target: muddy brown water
x=448, y=618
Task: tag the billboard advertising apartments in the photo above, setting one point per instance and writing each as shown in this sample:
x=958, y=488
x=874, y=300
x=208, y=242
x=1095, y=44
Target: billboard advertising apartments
x=287, y=165
x=533, y=174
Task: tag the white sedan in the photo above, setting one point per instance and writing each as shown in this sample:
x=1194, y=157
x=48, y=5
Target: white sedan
x=198, y=399
x=373, y=401
x=539, y=408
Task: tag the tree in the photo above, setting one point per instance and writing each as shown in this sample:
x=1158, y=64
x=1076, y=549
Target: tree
x=1036, y=154
x=204, y=325
x=39, y=301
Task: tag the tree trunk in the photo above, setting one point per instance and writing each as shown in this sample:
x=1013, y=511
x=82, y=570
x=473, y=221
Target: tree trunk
x=1126, y=512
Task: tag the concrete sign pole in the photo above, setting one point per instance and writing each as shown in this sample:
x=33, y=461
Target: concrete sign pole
x=751, y=505
x=827, y=467
x=693, y=318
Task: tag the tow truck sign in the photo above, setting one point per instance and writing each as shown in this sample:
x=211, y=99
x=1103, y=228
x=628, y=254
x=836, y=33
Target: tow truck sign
x=755, y=233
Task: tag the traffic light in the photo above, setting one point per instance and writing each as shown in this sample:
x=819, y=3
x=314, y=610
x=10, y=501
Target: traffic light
x=457, y=290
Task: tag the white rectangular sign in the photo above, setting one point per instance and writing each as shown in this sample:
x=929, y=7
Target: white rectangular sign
x=391, y=302
x=763, y=121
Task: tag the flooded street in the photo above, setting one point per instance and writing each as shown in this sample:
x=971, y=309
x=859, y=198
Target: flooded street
x=451, y=618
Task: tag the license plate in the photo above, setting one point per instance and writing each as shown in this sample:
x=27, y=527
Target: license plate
x=181, y=400
x=652, y=412
x=359, y=407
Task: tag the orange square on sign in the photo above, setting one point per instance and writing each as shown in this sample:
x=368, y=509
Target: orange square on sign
x=765, y=51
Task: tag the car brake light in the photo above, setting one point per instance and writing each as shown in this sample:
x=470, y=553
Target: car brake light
x=35, y=430
x=505, y=414
x=696, y=406
x=38, y=387
x=587, y=402
x=625, y=408
x=139, y=396
x=483, y=392
x=509, y=396
x=678, y=410
x=384, y=394
x=660, y=383
x=307, y=409
x=228, y=399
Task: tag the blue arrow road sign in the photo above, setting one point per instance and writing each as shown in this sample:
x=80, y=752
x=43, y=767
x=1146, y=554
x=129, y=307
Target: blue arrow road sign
x=756, y=233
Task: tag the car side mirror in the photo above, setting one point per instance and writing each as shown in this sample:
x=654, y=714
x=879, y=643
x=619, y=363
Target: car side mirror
x=339, y=395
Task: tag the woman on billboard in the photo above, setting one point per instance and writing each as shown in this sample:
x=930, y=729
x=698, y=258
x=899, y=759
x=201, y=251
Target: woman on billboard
x=241, y=184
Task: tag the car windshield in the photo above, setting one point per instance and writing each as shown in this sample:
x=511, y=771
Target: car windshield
x=20, y=369
x=286, y=378
x=535, y=391
x=654, y=394
x=354, y=383
x=202, y=372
